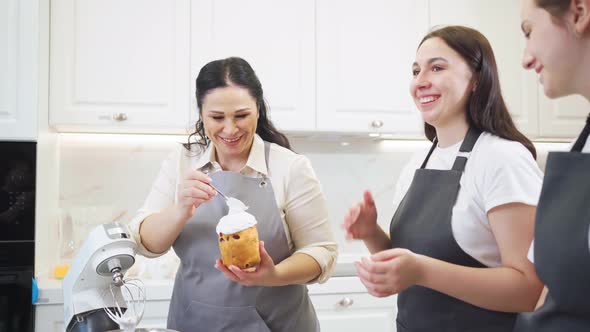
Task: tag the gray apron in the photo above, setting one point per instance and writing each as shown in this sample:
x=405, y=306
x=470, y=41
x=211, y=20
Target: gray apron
x=562, y=256
x=422, y=224
x=203, y=299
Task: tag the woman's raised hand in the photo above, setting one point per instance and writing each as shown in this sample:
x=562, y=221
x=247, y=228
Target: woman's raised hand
x=360, y=222
x=193, y=191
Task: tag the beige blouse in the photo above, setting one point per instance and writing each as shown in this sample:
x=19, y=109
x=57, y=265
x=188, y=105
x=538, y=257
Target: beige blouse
x=298, y=195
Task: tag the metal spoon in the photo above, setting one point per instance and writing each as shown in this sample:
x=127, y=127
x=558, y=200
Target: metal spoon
x=220, y=193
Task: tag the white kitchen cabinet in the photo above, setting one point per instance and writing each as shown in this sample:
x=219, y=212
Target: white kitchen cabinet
x=353, y=312
x=325, y=65
x=120, y=66
x=49, y=317
x=519, y=87
x=563, y=117
x=276, y=38
x=49, y=314
x=365, y=52
x=342, y=304
x=341, y=312
x=19, y=64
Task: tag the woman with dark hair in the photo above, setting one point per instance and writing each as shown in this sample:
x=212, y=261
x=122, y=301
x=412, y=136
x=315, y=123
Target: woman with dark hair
x=456, y=248
x=234, y=70
x=557, y=36
x=237, y=149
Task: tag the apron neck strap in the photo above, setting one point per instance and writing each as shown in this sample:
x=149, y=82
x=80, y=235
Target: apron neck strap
x=466, y=147
x=468, y=144
x=581, y=141
x=434, y=143
x=266, y=154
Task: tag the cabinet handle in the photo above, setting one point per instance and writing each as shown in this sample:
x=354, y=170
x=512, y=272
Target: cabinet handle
x=345, y=302
x=120, y=116
x=377, y=124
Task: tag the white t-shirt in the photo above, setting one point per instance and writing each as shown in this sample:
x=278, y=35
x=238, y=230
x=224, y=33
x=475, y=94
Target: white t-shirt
x=497, y=172
x=531, y=254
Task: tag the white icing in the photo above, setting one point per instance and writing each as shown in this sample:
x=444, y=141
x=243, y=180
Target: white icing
x=237, y=219
x=235, y=204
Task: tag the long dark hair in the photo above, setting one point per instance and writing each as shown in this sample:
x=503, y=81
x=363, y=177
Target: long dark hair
x=233, y=71
x=557, y=8
x=486, y=109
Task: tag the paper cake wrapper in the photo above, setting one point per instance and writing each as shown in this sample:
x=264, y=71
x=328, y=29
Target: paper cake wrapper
x=240, y=249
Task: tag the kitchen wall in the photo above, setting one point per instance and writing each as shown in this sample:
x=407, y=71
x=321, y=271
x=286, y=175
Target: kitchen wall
x=103, y=177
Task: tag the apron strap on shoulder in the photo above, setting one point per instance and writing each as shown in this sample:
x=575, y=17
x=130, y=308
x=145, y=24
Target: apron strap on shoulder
x=434, y=143
x=459, y=164
x=581, y=141
x=465, y=149
x=266, y=153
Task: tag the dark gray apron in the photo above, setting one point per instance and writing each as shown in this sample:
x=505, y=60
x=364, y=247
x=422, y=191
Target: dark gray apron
x=203, y=299
x=562, y=257
x=422, y=224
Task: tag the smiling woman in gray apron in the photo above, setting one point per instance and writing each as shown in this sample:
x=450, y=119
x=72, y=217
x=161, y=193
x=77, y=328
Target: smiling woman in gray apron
x=557, y=36
x=240, y=153
x=456, y=249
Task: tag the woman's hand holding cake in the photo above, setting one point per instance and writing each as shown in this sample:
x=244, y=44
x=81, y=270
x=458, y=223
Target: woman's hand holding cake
x=264, y=275
x=243, y=258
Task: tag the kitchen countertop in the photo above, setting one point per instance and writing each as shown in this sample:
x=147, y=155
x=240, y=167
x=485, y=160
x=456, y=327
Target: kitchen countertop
x=343, y=280
x=50, y=292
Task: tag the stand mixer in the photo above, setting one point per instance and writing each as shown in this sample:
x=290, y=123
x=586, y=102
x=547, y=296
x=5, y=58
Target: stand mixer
x=96, y=295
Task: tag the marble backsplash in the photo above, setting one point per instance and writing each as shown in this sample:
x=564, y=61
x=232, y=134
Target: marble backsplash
x=104, y=178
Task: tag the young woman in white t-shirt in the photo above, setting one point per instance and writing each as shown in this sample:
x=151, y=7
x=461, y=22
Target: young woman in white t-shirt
x=557, y=36
x=456, y=250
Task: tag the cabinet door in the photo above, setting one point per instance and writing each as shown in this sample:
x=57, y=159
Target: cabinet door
x=563, y=117
x=120, y=66
x=365, y=51
x=155, y=315
x=519, y=87
x=276, y=38
x=49, y=318
x=353, y=312
x=19, y=67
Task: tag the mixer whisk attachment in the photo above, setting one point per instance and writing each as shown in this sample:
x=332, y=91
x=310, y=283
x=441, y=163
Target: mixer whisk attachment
x=129, y=303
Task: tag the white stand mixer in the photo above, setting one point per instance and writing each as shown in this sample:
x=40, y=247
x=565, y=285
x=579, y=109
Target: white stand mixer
x=96, y=297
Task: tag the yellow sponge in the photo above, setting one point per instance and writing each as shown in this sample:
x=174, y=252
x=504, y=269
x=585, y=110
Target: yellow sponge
x=59, y=271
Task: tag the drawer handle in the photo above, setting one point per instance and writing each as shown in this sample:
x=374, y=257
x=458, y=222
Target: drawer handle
x=345, y=302
x=377, y=124
x=120, y=116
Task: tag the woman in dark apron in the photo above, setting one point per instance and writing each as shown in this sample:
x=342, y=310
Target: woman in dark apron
x=558, y=49
x=239, y=152
x=477, y=184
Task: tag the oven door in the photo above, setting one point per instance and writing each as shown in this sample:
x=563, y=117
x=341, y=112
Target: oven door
x=17, y=191
x=16, y=308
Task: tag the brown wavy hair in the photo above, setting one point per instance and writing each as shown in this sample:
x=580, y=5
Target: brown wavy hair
x=486, y=109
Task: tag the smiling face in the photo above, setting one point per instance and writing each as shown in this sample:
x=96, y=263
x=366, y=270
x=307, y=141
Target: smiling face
x=552, y=50
x=441, y=85
x=230, y=118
